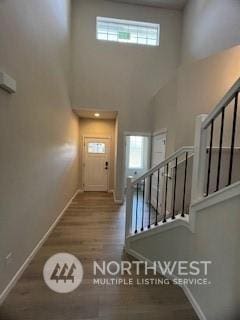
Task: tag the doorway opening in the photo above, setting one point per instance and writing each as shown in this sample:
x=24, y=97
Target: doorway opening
x=97, y=156
x=137, y=159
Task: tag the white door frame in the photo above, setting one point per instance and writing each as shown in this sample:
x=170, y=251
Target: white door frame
x=89, y=136
x=159, y=132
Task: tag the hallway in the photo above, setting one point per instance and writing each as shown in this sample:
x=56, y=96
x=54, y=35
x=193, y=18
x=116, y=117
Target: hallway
x=92, y=229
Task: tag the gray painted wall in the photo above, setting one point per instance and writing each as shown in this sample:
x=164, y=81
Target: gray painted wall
x=39, y=134
x=208, y=68
x=195, y=89
x=209, y=27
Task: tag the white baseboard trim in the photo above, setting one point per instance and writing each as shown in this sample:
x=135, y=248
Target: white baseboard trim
x=117, y=201
x=20, y=271
x=186, y=290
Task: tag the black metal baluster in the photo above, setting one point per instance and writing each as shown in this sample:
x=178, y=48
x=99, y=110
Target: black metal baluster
x=156, y=213
x=136, y=218
x=220, y=150
x=166, y=190
x=233, y=139
x=149, y=202
x=174, y=189
x=184, y=186
x=210, y=158
x=143, y=204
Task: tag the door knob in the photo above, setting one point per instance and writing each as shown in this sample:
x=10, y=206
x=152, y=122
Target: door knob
x=106, y=165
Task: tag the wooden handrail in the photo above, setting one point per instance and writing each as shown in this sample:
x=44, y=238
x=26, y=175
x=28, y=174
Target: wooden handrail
x=222, y=104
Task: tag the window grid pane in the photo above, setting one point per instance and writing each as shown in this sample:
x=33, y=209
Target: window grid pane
x=128, y=31
x=94, y=147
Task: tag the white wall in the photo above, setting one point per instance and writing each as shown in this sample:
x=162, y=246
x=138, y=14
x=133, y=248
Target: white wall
x=201, y=85
x=208, y=68
x=164, y=105
x=119, y=76
x=39, y=133
x=209, y=26
x=196, y=89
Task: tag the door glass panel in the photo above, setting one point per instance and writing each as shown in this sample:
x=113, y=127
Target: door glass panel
x=96, y=147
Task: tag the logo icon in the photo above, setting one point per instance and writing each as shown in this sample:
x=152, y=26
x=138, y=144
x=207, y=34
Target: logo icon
x=63, y=272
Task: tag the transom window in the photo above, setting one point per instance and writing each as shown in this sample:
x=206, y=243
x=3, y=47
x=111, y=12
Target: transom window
x=128, y=31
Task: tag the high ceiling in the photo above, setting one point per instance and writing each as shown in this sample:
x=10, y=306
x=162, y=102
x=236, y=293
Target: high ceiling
x=168, y=4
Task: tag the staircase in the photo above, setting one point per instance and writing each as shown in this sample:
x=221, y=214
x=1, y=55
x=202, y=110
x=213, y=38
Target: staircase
x=149, y=207
x=189, y=197
x=170, y=188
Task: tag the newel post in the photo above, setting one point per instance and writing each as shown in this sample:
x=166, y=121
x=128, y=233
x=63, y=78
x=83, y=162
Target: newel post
x=129, y=206
x=199, y=160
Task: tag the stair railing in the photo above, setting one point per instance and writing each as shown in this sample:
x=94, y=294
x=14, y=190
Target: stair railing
x=218, y=129
x=179, y=185
x=161, y=193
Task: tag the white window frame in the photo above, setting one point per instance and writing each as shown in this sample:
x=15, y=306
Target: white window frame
x=128, y=23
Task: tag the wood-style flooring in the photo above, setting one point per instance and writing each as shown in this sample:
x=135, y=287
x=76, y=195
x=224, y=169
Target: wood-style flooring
x=92, y=229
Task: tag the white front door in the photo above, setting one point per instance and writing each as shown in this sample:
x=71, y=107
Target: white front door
x=96, y=164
